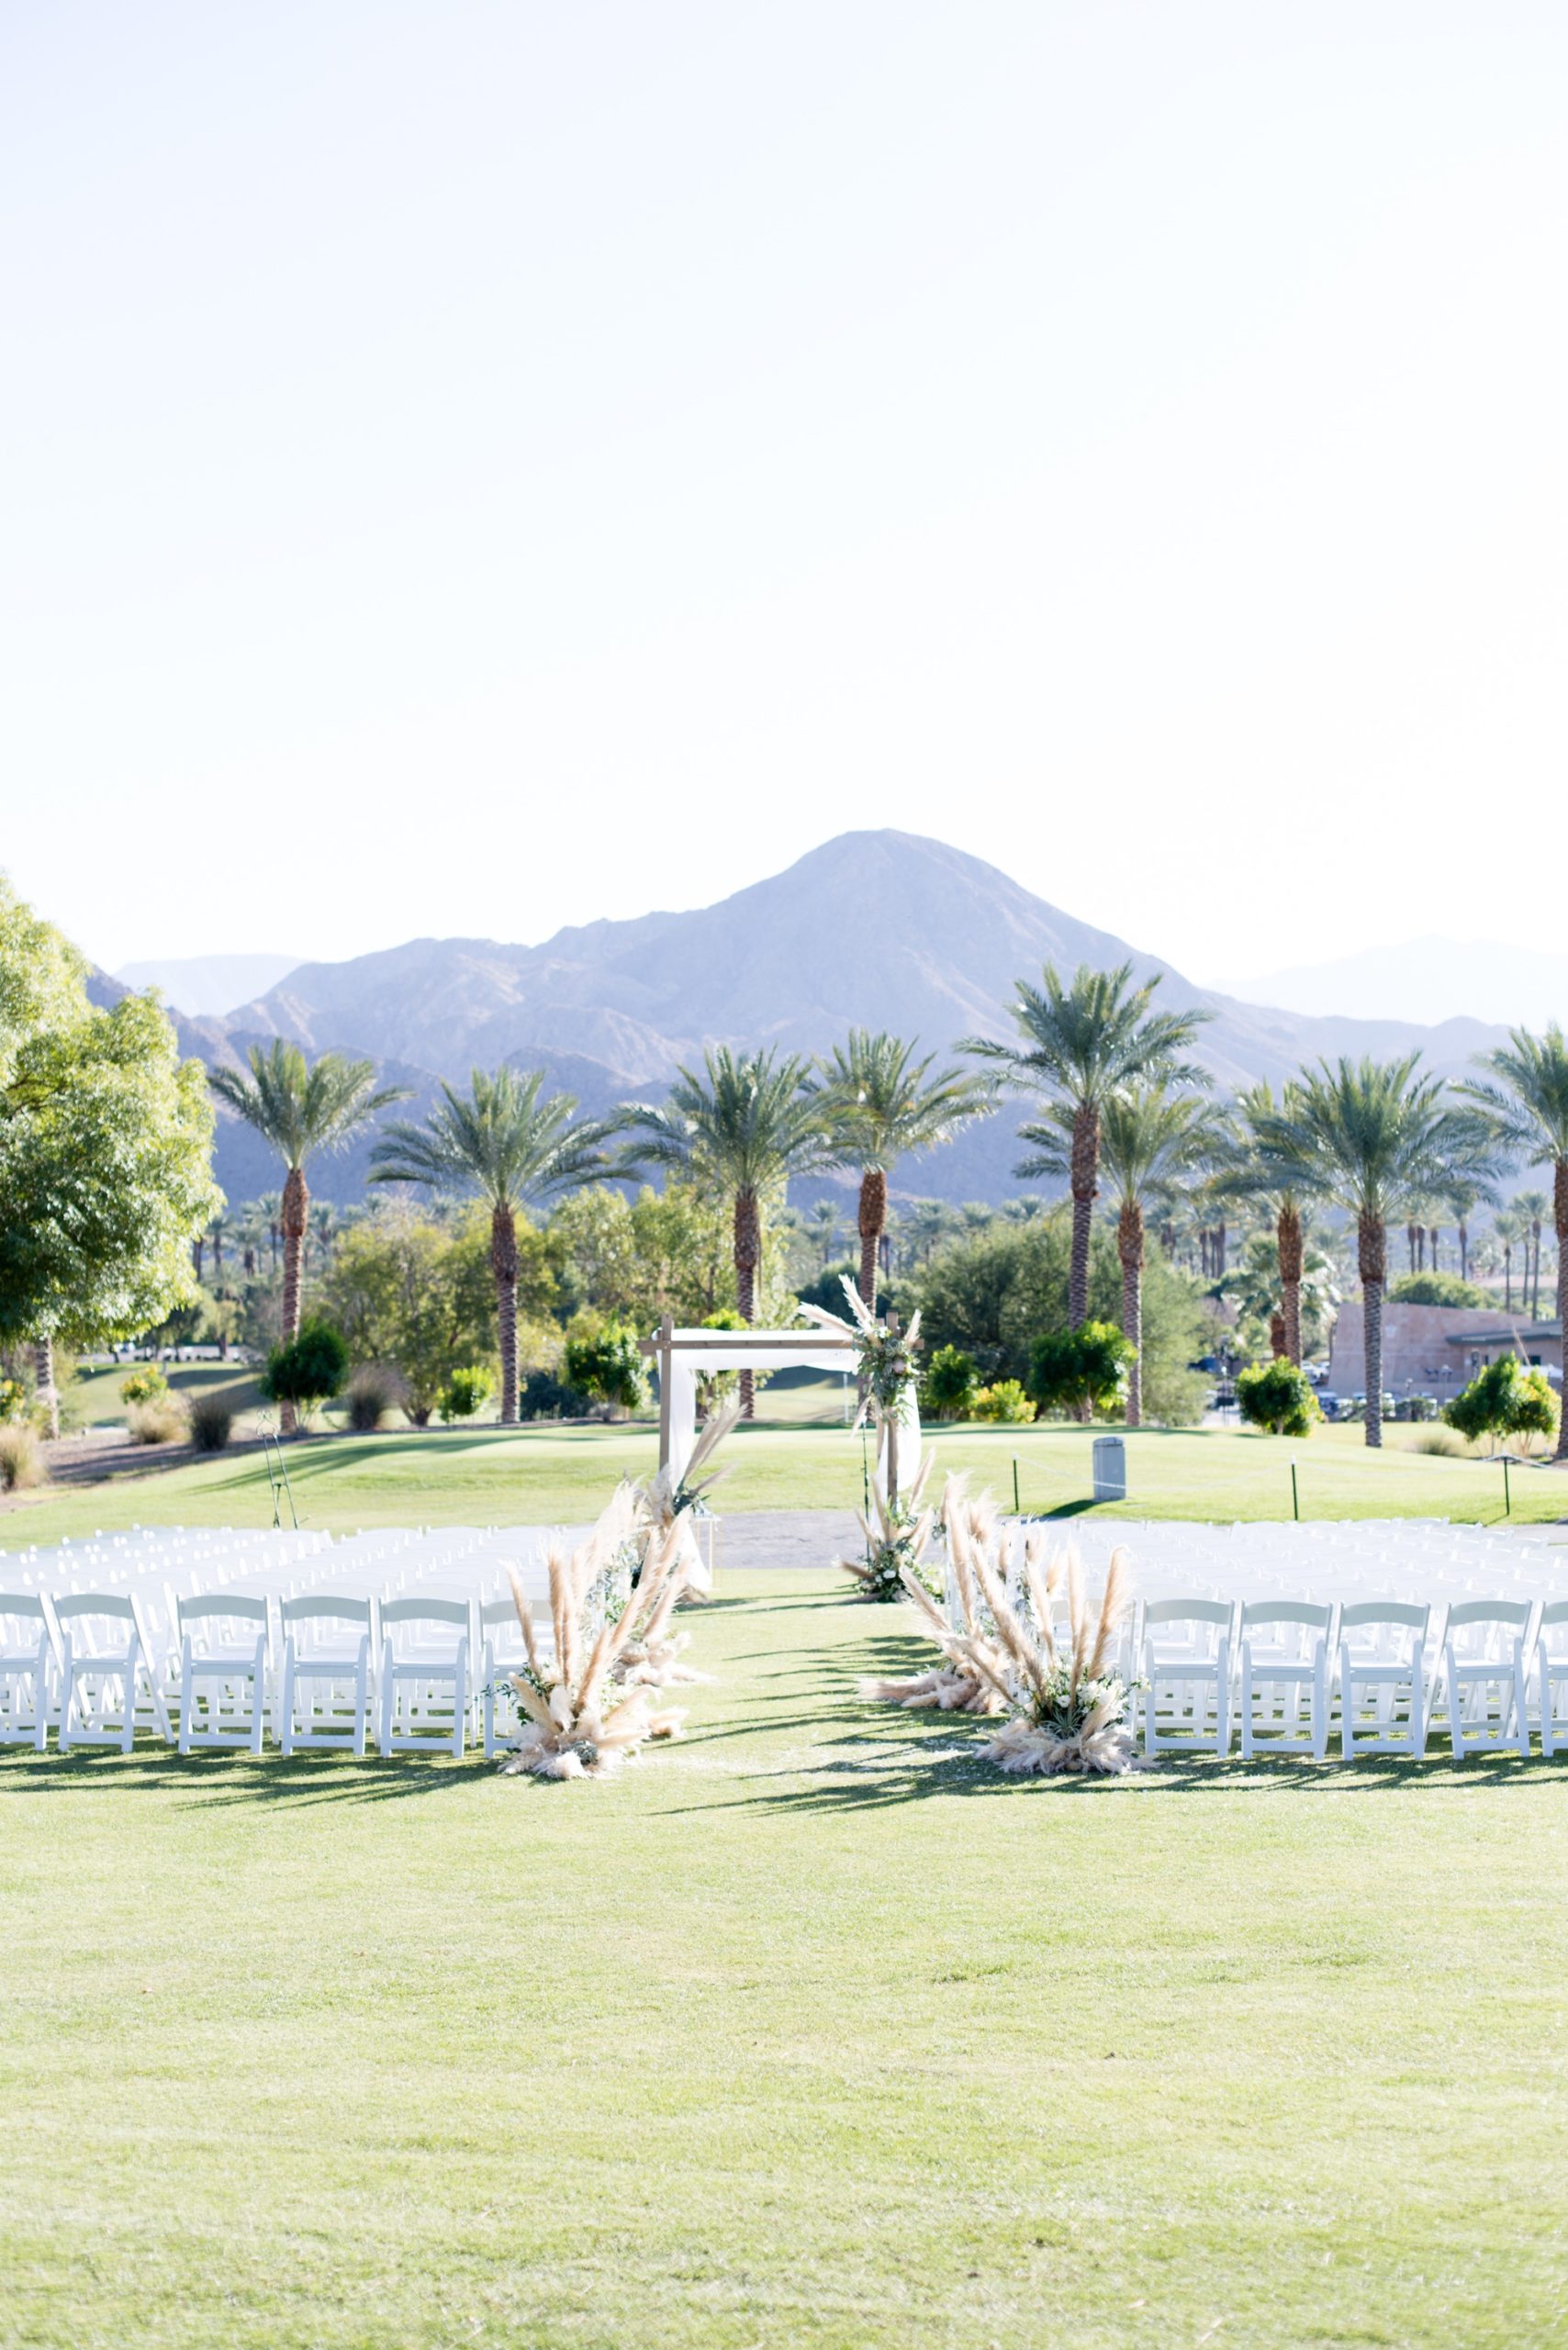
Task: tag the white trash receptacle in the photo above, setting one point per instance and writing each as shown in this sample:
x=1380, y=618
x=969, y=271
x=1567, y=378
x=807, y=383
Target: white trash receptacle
x=1109, y=1469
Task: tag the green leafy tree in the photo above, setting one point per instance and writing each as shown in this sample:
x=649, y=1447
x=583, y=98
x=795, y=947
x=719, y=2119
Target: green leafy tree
x=1278, y=1397
x=1252, y=1284
x=303, y=1110
x=1437, y=1289
x=1372, y=1137
x=1080, y=1044
x=503, y=1141
x=417, y=1294
x=1151, y=1142
x=105, y=1148
x=1523, y=1094
x=467, y=1392
x=1081, y=1370
x=741, y=1129
x=1007, y=1403
x=877, y=1104
x=949, y=1384
x=602, y=1360
x=1505, y=1398
x=309, y=1369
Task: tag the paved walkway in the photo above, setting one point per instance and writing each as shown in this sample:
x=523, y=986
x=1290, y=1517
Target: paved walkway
x=788, y=1537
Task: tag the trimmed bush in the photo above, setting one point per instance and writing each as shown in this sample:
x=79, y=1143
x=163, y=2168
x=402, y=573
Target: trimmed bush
x=950, y=1385
x=465, y=1393
x=162, y=1419
x=1278, y=1397
x=147, y=1385
x=601, y=1359
x=543, y=1396
x=310, y=1370
x=374, y=1393
x=1505, y=1398
x=1072, y=1369
x=1007, y=1403
x=21, y=1457
x=212, y=1420
x=13, y=1400
x=1436, y=1289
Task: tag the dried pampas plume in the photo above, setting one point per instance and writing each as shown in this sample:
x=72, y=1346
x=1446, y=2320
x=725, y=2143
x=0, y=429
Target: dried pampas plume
x=591, y=1705
x=677, y=1503
x=896, y=1539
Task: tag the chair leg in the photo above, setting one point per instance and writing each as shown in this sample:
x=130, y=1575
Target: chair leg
x=1521, y=1709
x=285, y=1737
x=1456, y=1725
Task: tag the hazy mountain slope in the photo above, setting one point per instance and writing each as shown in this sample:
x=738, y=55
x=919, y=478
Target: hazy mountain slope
x=877, y=929
x=208, y=986
x=1426, y=979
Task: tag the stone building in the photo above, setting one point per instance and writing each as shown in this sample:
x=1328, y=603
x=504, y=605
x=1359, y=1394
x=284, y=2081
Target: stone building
x=1438, y=1349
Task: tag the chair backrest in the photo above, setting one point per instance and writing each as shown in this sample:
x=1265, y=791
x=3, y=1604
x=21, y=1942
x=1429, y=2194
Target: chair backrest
x=328, y=1607
x=424, y=1611
x=26, y=1604
x=1310, y=1616
x=236, y=1606
x=1514, y=1612
x=1187, y=1611
x=494, y=1611
x=118, y=1605
x=1554, y=1612
x=1379, y=1614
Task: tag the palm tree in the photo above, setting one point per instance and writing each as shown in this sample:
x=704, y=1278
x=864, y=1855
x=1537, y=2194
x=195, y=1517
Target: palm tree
x=1461, y=1198
x=1245, y=1173
x=1510, y=1229
x=877, y=1104
x=822, y=1224
x=742, y=1128
x=1150, y=1138
x=501, y=1140
x=1081, y=1042
x=1534, y=1207
x=300, y=1109
x=1371, y=1137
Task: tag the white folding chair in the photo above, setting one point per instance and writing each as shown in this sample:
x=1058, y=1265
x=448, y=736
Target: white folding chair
x=29, y=1663
x=504, y=1655
x=1284, y=1660
x=424, y=1675
x=1551, y=1667
x=223, y=1683
x=1484, y=1672
x=104, y=1647
x=1382, y=1706
x=1186, y=1663
x=328, y=1640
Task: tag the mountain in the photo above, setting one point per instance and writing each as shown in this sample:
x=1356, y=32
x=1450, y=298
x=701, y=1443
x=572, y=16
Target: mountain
x=1427, y=978
x=206, y=984
x=875, y=929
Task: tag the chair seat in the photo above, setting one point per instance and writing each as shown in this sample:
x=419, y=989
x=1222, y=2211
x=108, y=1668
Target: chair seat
x=225, y=1660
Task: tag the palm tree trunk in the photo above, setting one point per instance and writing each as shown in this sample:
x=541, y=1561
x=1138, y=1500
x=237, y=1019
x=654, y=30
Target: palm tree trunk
x=1130, y=1246
x=1372, y=1254
x=873, y=1223
x=1288, y=1240
x=503, y=1264
x=1279, y=1345
x=43, y=1374
x=296, y=1217
x=1085, y=1185
x=1464, y=1250
x=1220, y=1250
x=1560, y=1218
x=1507, y=1276
x=748, y=1256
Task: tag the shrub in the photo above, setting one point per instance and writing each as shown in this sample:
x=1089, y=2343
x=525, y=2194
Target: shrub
x=162, y=1419
x=373, y=1393
x=950, y=1385
x=1005, y=1401
x=465, y=1393
x=1436, y=1289
x=1278, y=1397
x=212, y=1420
x=21, y=1457
x=543, y=1396
x=1447, y=1443
x=1073, y=1369
x=1504, y=1399
x=13, y=1400
x=147, y=1385
x=601, y=1359
x=310, y=1370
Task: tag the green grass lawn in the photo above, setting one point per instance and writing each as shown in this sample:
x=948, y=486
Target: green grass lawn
x=543, y=1473
x=810, y=2031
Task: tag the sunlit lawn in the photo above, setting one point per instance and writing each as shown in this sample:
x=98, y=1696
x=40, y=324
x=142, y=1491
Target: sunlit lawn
x=811, y=2030
x=545, y=1472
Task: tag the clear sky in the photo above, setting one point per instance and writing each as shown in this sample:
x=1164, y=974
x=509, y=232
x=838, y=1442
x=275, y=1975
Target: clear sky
x=471, y=467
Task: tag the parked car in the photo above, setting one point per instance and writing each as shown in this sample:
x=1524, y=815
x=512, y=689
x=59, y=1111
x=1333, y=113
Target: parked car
x=1328, y=1403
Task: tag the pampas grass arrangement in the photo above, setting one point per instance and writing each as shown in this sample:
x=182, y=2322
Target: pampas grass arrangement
x=673, y=1504
x=897, y=1542
x=1063, y=1707
x=592, y=1705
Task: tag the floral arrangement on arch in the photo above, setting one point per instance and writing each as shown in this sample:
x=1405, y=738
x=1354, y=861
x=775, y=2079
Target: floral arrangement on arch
x=884, y=1355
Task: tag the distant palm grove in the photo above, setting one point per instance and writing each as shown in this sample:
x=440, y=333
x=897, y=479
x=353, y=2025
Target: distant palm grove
x=511, y=1247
